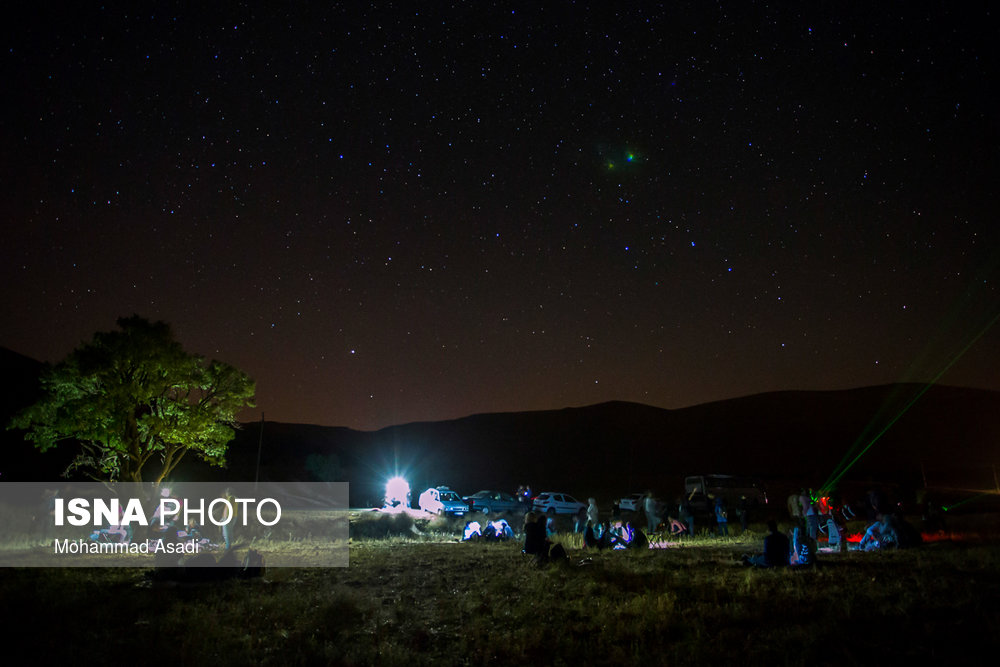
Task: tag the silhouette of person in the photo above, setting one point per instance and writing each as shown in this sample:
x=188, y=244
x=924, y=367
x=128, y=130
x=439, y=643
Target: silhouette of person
x=776, y=549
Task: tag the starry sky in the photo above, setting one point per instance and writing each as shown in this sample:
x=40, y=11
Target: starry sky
x=395, y=212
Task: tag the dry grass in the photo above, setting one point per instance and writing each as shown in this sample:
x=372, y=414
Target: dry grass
x=412, y=599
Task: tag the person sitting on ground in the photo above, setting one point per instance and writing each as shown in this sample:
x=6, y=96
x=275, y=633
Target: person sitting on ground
x=472, y=531
x=620, y=534
x=888, y=530
x=501, y=529
x=776, y=549
x=489, y=533
x=906, y=534
x=590, y=540
x=803, y=552
x=536, y=542
x=836, y=532
x=675, y=527
x=614, y=536
x=191, y=532
x=637, y=538
x=872, y=539
x=607, y=538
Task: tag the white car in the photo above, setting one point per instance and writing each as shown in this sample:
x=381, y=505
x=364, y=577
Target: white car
x=632, y=502
x=442, y=500
x=557, y=503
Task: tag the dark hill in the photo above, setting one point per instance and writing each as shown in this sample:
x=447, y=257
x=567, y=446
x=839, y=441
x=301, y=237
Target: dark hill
x=948, y=435
x=19, y=389
x=20, y=379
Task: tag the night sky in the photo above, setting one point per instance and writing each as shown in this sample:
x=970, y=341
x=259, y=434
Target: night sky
x=401, y=212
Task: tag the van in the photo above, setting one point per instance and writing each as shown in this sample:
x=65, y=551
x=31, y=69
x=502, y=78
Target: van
x=729, y=487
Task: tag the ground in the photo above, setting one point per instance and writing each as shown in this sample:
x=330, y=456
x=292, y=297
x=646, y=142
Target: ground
x=433, y=600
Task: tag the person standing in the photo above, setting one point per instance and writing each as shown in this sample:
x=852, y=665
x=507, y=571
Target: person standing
x=593, y=514
x=721, y=516
x=804, y=502
x=227, y=527
x=811, y=514
x=580, y=521
x=686, y=514
x=794, y=508
x=743, y=510
x=652, y=513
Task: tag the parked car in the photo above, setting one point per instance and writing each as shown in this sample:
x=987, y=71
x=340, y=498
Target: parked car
x=488, y=502
x=557, y=503
x=632, y=502
x=442, y=500
x=729, y=487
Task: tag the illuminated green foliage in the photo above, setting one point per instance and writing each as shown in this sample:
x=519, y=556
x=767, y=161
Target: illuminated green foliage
x=137, y=402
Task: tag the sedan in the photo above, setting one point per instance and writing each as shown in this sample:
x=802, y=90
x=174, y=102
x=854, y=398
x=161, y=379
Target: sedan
x=632, y=502
x=486, y=502
x=557, y=503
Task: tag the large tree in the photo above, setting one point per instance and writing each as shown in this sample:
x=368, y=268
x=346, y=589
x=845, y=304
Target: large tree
x=137, y=403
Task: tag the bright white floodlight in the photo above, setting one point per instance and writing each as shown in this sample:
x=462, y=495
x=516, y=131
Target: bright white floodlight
x=397, y=492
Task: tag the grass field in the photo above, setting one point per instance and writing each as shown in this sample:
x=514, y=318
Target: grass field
x=411, y=599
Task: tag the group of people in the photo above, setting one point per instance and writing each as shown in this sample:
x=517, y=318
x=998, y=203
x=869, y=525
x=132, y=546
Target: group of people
x=538, y=531
x=170, y=530
x=655, y=512
x=798, y=548
x=676, y=520
x=681, y=522
x=779, y=551
x=617, y=535
x=494, y=531
x=807, y=507
x=814, y=513
x=889, y=531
